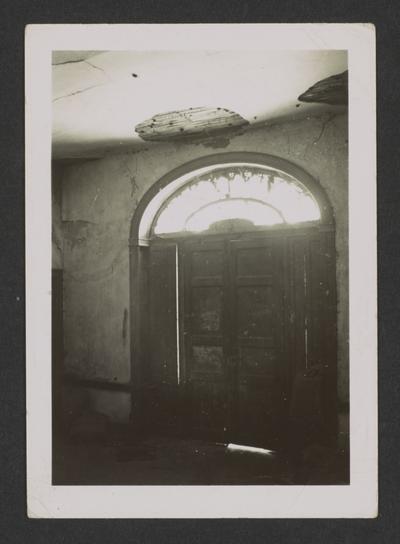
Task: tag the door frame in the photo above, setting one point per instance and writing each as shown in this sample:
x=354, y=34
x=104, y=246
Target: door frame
x=139, y=254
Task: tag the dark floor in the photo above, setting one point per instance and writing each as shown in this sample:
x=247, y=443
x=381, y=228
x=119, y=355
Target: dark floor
x=160, y=460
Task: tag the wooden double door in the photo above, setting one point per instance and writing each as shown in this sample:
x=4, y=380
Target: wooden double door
x=235, y=323
x=233, y=329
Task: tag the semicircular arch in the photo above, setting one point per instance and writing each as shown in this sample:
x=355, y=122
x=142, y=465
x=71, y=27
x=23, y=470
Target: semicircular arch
x=169, y=184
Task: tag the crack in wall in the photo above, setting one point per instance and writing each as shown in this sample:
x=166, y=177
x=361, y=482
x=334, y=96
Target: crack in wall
x=323, y=127
x=96, y=196
x=324, y=123
x=131, y=177
x=56, y=239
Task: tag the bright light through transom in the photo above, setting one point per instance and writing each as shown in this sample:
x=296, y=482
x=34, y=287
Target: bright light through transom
x=262, y=198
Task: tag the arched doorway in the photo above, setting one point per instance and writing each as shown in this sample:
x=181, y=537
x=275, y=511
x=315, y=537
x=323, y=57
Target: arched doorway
x=234, y=302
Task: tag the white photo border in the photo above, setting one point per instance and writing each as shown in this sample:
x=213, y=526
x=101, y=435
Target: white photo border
x=359, y=499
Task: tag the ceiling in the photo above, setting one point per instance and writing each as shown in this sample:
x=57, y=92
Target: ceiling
x=99, y=97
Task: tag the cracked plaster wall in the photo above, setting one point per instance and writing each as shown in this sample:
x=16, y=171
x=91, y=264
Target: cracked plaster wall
x=99, y=198
x=56, y=231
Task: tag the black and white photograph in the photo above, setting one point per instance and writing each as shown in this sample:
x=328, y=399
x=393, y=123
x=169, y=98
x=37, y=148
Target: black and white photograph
x=198, y=210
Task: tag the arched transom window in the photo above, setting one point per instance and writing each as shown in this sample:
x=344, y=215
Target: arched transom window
x=236, y=197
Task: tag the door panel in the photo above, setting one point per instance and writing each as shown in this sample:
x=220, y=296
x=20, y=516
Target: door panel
x=162, y=314
x=208, y=263
x=257, y=412
x=206, y=309
x=207, y=415
x=203, y=330
x=159, y=371
x=256, y=310
x=207, y=359
x=255, y=361
x=233, y=332
x=257, y=301
x=252, y=261
x=311, y=334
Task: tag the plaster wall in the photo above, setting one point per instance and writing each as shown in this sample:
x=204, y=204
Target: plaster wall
x=56, y=231
x=99, y=199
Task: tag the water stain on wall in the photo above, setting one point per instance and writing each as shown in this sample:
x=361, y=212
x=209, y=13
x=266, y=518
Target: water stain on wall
x=76, y=232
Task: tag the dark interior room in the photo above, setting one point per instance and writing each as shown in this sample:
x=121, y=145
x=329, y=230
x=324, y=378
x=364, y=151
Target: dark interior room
x=200, y=268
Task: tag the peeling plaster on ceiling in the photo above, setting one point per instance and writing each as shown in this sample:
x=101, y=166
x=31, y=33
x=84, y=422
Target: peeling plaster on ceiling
x=332, y=90
x=99, y=96
x=68, y=57
x=188, y=123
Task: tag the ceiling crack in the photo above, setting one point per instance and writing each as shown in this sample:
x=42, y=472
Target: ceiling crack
x=97, y=68
x=68, y=62
x=77, y=92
